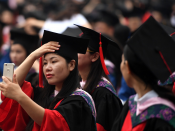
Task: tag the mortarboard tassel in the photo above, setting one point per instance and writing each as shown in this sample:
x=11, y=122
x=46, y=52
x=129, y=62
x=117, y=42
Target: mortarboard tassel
x=173, y=79
x=173, y=90
x=41, y=72
x=80, y=34
x=172, y=34
x=102, y=58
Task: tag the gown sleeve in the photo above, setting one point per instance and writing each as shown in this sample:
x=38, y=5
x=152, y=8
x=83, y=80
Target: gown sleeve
x=73, y=114
x=13, y=117
x=108, y=107
x=118, y=122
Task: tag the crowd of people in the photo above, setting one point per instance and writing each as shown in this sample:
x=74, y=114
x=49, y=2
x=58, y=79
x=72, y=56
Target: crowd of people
x=88, y=65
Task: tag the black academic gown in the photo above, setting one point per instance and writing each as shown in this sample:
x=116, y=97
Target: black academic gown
x=108, y=106
x=72, y=113
x=153, y=124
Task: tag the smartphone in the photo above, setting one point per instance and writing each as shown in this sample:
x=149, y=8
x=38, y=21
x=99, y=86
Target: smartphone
x=8, y=70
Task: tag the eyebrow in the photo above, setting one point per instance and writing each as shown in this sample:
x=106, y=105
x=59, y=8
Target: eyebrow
x=50, y=58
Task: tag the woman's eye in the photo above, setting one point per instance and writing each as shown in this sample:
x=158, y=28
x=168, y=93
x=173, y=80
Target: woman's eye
x=53, y=61
x=44, y=63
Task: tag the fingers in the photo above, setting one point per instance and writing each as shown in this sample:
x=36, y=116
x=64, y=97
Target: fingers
x=51, y=46
x=5, y=79
x=15, y=79
x=53, y=43
x=2, y=87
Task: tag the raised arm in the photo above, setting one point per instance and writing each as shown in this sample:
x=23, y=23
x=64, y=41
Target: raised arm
x=22, y=71
x=12, y=90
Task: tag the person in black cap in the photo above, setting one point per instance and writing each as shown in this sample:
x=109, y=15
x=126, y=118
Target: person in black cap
x=146, y=60
x=60, y=105
x=93, y=72
x=23, y=45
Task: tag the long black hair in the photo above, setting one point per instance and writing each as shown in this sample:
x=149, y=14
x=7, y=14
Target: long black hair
x=138, y=68
x=70, y=84
x=95, y=75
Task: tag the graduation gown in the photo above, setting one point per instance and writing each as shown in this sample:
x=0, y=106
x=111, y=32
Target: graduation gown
x=152, y=117
x=108, y=105
x=74, y=113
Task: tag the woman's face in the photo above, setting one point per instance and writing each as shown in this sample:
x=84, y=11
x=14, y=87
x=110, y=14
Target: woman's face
x=17, y=54
x=84, y=61
x=55, y=68
x=124, y=67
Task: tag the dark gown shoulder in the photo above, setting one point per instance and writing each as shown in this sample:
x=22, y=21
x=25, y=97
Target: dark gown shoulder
x=77, y=114
x=108, y=107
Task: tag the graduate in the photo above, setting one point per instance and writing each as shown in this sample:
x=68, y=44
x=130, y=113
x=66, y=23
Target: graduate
x=146, y=60
x=60, y=105
x=22, y=45
x=94, y=80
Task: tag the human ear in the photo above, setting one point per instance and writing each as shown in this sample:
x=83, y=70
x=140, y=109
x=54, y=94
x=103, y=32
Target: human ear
x=95, y=56
x=71, y=65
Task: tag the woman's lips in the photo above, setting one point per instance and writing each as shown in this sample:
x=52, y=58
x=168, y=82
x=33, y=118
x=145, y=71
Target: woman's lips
x=48, y=76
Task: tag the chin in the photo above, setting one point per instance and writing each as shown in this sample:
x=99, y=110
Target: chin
x=51, y=82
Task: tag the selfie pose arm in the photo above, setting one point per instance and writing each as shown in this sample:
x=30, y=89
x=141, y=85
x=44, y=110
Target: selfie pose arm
x=22, y=71
x=12, y=90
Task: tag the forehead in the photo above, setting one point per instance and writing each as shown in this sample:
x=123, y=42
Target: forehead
x=51, y=55
x=17, y=46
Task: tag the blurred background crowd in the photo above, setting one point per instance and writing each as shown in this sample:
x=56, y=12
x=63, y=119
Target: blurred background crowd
x=117, y=19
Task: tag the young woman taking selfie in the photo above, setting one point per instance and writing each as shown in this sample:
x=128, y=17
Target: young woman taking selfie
x=60, y=105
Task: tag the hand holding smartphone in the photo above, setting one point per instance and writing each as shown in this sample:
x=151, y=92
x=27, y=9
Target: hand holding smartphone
x=8, y=70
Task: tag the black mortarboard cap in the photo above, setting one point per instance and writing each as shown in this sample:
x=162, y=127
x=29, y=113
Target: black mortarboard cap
x=70, y=46
x=19, y=36
x=97, y=43
x=72, y=32
x=170, y=31
x=155, y=48
x=94, y=39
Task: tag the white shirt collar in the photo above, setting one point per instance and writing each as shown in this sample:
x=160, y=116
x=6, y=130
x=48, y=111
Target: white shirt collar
x=147, y=96
x=55, y=92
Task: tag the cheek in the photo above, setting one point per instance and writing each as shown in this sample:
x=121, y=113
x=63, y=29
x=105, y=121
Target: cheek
x=83, y=60
x=21, y=56
x=122, y=67
x=123, y=70
x=61, y=71
x=125, y=74
x=11, y=55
